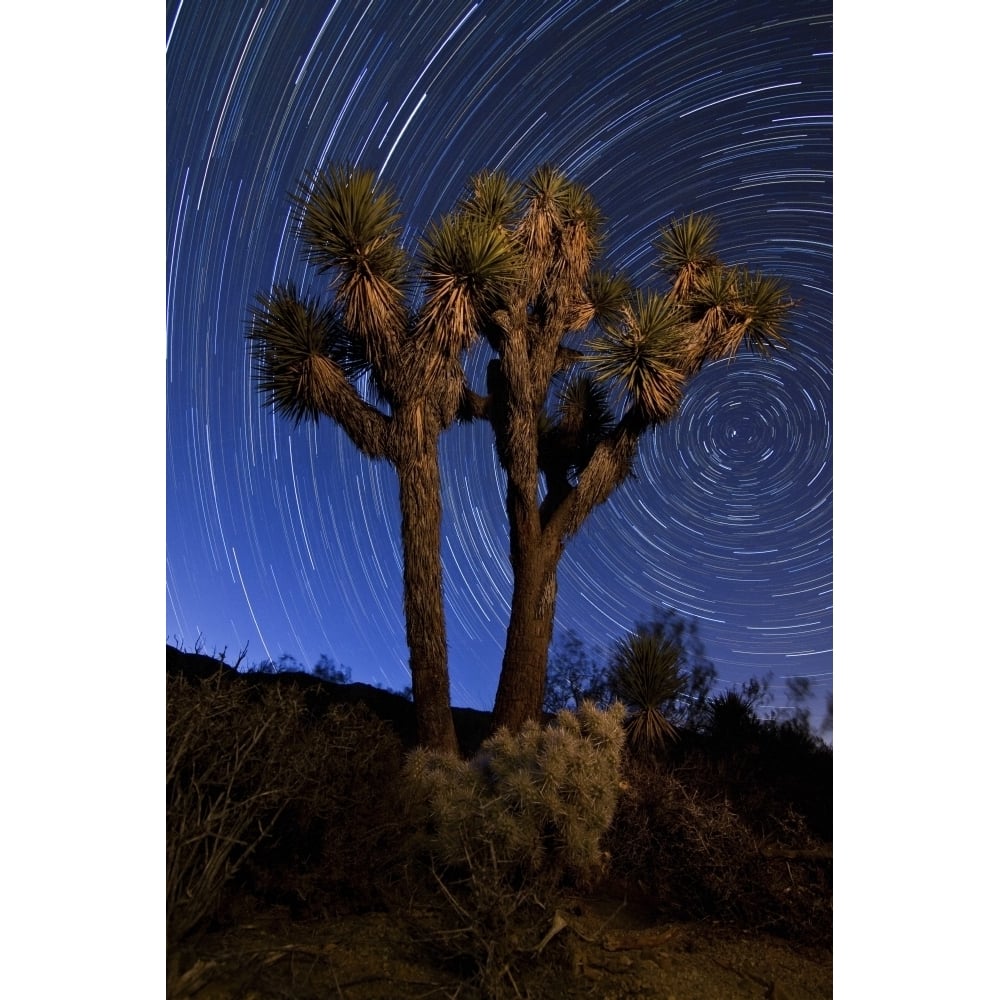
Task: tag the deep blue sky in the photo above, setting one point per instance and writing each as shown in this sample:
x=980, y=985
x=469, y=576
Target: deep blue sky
x=285, y=538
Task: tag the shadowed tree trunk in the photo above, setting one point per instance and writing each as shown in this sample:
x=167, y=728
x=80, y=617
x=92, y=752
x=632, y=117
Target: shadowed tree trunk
x=538, y=540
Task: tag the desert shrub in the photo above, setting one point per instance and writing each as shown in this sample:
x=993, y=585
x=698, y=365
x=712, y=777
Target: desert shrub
x=766, y=768
x=573, y=676
x=506, y=830
x=338, y=839
x=327, y=670
x=794, y=766
x=227, y=785
x=732, y=721
x=265, y=792
x=697, y=857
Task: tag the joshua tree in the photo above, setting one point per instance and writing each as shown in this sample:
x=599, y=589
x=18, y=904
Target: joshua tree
x=315, y=359
x=548, y=386
x=514, y=263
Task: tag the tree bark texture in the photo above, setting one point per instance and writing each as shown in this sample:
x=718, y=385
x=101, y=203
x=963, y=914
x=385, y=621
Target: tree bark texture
x=521, y=689
x=423, y=585
x=536, y=547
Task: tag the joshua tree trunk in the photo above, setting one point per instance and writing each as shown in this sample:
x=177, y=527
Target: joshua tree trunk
x=423, y=586
x=525, y=662
x=534, y=557
x=538, y=538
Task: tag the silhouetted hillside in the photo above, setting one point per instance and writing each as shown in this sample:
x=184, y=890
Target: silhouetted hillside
x=471, y=725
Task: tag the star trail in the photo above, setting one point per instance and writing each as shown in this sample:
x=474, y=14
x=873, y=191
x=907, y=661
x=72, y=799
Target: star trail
x=285, y=539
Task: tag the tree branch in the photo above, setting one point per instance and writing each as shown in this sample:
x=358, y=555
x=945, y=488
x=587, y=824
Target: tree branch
x=472, y=406
x=609, y=466
x=334, y=395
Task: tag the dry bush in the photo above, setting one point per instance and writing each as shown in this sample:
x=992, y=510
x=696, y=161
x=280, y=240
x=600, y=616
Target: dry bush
x=227, y=786
x=263, y=792
x=503, y=833
x=698, y=858
x=338, y=842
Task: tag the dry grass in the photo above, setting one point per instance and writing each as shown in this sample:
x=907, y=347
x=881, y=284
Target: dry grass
x=263, y=792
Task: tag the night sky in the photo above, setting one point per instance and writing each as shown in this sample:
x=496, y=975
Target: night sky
x=285, y=538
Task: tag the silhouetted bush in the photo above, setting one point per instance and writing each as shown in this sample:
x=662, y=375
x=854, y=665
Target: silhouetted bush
x=731, y=722
x=227, y=785
x=763, y=768
x=335, y=844
x=689, y=848
x=573, y=676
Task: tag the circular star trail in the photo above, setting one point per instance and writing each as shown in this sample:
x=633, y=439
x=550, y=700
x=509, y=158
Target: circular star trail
x=284, y=539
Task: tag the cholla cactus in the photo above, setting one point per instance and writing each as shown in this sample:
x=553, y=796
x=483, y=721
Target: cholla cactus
x=535, y=801
x=503, y=831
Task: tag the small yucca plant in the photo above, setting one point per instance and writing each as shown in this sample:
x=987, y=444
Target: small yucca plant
x=732, y=720
x=646, y=676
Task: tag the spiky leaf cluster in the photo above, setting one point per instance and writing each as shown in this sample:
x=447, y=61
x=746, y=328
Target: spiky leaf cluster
x=581, y=420
x=559, y=233
x=714, y=297
x=687, y=251
x=736, y=308
x=641, y=354
x=349, y=224
x=609, y=295
x=303, y=354
x=729, y=307
x=645, y=674
x=494, y=198
x=468, y=265
x=583, y=407
x=764, y=305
